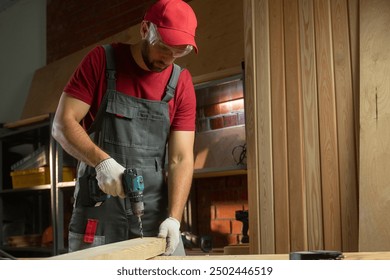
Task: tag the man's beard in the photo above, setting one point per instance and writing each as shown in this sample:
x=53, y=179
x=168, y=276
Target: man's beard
x=155, y=66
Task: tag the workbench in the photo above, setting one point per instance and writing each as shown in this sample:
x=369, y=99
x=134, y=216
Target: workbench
x=151, y=248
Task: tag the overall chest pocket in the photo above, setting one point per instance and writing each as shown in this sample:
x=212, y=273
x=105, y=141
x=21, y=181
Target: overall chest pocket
x=135, y=125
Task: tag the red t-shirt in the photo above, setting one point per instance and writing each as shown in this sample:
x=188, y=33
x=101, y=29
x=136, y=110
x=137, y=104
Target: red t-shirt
x=88, y=84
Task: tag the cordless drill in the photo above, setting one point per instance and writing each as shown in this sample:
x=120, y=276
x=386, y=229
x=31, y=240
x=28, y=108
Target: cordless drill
x=133, y=186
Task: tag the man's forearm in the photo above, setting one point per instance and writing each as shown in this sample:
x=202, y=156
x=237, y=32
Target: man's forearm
x=179, y=183
x=75, y=141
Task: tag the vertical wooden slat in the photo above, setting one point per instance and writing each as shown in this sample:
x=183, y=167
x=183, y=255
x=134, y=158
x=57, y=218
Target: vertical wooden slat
x=353, y=18
x=374, y=206
x=311, y=130
x=345, y=125
x=261, y=112
x=328, y=129
x=251, y=131
x=279, y=127
x=296, y=182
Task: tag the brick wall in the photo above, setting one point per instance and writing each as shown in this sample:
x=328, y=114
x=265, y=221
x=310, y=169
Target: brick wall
x=73, y=25
x=216, y=201
x=220, y=106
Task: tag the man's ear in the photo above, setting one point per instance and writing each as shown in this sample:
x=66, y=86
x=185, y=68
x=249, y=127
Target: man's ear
x=144, y=29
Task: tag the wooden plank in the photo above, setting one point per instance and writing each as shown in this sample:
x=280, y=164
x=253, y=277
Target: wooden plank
x=239, y=249
x=353, y=16
x=297, y=202
x=217, y=75
x=251, y=128
x=328, y=130
x=311, y=142
x=260, y=179
x=27, y=121
x=133, y=249
x=218, y=172
x=279, y=127
x=347, y=256
x=345, y=126
x=374, y=196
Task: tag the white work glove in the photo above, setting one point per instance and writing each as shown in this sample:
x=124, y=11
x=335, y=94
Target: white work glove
x=170, y=229
x=109, y=176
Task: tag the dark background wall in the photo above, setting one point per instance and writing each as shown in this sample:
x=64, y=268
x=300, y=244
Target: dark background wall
x=73, y=25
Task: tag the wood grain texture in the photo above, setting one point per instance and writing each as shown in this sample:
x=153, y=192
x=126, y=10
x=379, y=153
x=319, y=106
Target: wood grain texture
x=348, y=256
x=345, y=125
x=279, y=127
x=295, y=129
x=311, y=140
x=134, y=249
x=298, y=56
x=328, y=129
x=374, y=197
x=264, y=126
x=251, y=128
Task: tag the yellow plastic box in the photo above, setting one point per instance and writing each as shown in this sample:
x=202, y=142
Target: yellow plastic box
x=38, y=176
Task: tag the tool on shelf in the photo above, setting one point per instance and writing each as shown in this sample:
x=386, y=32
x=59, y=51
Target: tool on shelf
x=242, y=216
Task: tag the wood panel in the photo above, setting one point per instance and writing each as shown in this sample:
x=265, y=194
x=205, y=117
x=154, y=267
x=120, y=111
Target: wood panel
x=294, y=127
x=328, y=129
x=260, y=184
x=347, y=256
x=374, y=206
x=251, y=128
x=279, y=124
x=133, y=249
x=345, y=125
x=302, y=49
x=310, y=124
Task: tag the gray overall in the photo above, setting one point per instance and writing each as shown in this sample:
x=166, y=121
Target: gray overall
x=134, y=132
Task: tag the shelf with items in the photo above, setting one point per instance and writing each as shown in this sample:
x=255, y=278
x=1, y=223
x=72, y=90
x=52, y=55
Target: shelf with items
x=220, y=144
x=29, y=171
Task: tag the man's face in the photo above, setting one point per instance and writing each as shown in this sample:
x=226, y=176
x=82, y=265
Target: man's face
x=156, y=54
x=156, y=58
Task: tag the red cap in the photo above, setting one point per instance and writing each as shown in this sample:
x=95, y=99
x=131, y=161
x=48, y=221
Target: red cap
x=175, y=20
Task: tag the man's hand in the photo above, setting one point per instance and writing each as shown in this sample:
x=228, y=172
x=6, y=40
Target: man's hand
x=109, y=176
x=170, y=229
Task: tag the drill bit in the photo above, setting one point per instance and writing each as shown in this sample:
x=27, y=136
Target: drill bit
x=141, y=230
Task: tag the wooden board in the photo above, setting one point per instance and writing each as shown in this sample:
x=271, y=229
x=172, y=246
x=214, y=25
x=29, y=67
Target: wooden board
x=328, y=129
x=279, y=136
x=347, y=256
x=374, y=197
x=134, y=249
x=315, y=237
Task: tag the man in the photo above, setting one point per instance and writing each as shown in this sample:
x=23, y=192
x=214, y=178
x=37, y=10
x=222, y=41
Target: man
x=117, y=113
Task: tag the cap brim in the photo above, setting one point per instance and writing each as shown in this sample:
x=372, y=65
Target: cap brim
x=177, y=38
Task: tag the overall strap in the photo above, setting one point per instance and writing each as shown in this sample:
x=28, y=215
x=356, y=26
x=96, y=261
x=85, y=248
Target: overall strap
x=111, y=86
x=171, y=86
